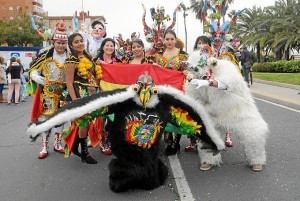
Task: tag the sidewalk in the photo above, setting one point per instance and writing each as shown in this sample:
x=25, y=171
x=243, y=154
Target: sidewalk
x=283, y=94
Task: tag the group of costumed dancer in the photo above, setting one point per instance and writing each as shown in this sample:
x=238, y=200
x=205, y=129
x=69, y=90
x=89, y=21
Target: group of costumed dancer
x=212, y=102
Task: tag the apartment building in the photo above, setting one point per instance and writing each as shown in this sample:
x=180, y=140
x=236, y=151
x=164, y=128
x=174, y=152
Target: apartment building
x=13, y=9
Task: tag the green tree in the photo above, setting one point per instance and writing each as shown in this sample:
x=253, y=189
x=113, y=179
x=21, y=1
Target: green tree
x=18, y=32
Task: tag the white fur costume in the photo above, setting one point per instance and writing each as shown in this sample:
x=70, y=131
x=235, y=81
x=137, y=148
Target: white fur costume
x=231, y=110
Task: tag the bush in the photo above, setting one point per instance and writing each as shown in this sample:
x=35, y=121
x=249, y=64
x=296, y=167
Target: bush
x=281, y=66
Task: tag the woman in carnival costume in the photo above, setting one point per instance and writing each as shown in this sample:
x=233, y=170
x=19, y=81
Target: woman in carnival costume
x=47, y=82
x=172, y=58
x=82, y=78
x=219, y=86
x=106, y=55
x=138, y=53
x=142, y=112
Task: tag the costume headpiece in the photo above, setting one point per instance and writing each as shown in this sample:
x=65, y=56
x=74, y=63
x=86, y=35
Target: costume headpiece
x=216, y=32
x=155, y=34
x=60, y=31
x=145, y=88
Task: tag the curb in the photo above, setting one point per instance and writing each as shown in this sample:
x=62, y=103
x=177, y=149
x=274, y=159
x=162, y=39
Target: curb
x=274, y=99
x=291, y=86
x=285, y=101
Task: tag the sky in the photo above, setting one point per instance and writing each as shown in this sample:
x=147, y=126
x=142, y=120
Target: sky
x=124, y=16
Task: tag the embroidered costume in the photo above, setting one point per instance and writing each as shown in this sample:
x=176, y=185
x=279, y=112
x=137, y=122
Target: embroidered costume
x=86, y=78
x=174, y=62
x=47, y=82
x=141, y=114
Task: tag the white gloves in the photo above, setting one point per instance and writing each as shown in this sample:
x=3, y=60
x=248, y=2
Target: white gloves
x=199, y=83
x=37, y=78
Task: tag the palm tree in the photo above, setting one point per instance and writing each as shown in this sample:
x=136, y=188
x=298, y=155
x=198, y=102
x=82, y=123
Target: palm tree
x=251, y=30
x=286, y=27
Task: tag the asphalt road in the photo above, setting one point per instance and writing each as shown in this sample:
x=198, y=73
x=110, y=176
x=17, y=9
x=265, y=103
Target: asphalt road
x=24, y=177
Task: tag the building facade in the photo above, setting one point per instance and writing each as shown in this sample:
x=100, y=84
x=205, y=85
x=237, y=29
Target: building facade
x=13, y=9
x=84, y=19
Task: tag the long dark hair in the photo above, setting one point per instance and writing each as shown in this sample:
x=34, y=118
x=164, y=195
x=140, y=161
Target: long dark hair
x=70, y=41
x=101, y=51
x=170, y=31
x=204, y=39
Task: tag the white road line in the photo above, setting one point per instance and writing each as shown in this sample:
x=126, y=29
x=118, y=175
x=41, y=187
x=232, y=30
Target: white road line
x=183, y=188
x=285, y=107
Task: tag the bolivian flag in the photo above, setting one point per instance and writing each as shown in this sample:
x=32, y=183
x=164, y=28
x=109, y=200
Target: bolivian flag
x=116, y=76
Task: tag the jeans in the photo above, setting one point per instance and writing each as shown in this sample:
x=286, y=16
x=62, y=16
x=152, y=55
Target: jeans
x=1, y=88
x=246, y=72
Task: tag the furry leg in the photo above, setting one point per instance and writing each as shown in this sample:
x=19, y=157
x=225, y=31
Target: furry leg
x=206, y=155
x=254, y=147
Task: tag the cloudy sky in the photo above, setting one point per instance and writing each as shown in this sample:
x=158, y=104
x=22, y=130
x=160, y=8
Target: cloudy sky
x=124, y=16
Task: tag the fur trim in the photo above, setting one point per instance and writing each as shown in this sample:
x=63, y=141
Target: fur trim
x=206, y=155
x=234, y=110
x=213, y=134
x=80, y=110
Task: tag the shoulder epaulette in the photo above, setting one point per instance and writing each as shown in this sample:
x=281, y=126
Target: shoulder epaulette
x=72, y=59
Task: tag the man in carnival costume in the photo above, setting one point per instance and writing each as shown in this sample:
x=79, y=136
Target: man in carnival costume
x=141, y=114
x=221, y=40
x=47, y=82
x=219, y=86
x=97, y=36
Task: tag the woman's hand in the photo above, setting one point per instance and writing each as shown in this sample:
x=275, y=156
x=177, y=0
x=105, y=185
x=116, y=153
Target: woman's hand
x=156, y=64
x=99, y=62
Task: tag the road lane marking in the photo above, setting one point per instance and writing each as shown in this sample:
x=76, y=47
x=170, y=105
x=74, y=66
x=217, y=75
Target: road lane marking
x=182, y=185
x=285, y=107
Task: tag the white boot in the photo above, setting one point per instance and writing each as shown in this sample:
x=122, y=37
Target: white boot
x=57, y=143
x=44, y=153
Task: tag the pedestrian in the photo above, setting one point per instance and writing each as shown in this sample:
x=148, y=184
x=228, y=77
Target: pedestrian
x=14, y=71
x=23, y=82
x=2, y=79
x=246, y=62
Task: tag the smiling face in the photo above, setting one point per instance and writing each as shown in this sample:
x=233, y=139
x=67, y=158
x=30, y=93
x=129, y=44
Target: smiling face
x=77, y=44
x=137, y=49
x=60, y=46
x=170, y=40
x=108, y=48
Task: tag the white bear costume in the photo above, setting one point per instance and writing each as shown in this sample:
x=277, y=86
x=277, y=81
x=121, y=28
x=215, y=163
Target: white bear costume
x=231, y=109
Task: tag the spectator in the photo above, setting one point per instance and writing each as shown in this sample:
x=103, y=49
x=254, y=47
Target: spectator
x=2, y=79
x=15, y=70
x=246, y=62
x=23, y=83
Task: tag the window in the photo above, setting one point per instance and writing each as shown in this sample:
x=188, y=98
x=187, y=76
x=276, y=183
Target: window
x=11, y=18
x=19, y=7
x=10, y=8
x=3, y=7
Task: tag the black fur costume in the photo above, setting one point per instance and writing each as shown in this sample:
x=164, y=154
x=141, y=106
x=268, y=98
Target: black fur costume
x=136, y=131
